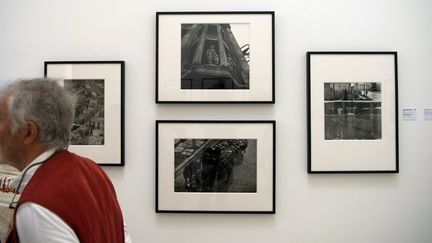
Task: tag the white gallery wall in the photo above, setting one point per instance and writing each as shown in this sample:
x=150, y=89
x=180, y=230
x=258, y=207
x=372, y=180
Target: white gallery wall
x=309, y=208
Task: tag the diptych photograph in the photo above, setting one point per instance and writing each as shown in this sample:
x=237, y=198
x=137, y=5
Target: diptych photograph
x=352, y=112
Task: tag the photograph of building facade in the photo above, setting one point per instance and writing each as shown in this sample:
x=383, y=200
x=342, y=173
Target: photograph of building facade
x=352, y=111
x=212, y=58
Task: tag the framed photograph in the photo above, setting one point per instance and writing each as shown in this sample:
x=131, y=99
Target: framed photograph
x=352, y=112
x=98, y=129
x=215, y=166
x=215, y=57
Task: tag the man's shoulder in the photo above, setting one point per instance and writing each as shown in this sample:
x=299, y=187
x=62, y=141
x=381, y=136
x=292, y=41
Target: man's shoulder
x=71, y=159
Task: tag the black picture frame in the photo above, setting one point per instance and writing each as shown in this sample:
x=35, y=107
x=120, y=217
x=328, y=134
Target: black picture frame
x=243, y=181
x=240, y=69
x=352, y=106
x=99, y=86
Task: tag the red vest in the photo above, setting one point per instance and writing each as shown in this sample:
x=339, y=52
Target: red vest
x=80, y=193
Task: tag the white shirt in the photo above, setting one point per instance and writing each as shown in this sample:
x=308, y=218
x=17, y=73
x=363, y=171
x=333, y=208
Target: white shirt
x=37, y=224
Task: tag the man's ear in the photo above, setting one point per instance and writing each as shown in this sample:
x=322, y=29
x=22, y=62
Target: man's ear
x=31, y=132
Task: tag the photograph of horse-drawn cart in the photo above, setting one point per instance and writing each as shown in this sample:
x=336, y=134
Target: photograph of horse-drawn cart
x=215, y=165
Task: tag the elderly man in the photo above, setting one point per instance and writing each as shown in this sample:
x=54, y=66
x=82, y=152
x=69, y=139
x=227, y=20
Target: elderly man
x=64, y=197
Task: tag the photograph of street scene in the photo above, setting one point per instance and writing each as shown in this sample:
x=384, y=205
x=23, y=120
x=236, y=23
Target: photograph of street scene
x=215, y=165
x=352, y=111
x=215, y=56
x=88, y=126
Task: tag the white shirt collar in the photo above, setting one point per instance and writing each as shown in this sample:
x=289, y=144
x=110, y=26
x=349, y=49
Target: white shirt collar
x=30, y=172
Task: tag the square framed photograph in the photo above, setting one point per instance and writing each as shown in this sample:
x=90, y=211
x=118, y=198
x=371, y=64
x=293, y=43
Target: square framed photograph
x=215, y=166
x=215, y=57
x=98, y=128
x=352, y=112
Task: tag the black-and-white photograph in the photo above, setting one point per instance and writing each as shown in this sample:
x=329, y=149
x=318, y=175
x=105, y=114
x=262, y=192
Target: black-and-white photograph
x=215, y=165
x=352, y=110
x=88, y=126
x=215, y=56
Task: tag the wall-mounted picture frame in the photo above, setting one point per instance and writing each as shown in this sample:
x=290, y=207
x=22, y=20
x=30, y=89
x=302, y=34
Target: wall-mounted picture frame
x=98, y=129
x=215, y=57
x=215, y=166
x=352, y=112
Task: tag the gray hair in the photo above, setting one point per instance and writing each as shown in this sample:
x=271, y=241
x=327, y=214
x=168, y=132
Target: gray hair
x=45, y=102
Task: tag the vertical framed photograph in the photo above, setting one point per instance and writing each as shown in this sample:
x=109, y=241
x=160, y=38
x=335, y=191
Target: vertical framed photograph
x=98, y=128
x=215, y=57
x=215, y=166
x=352, y=112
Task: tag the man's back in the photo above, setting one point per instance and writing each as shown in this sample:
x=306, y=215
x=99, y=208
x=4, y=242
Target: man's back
x=80, y=193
